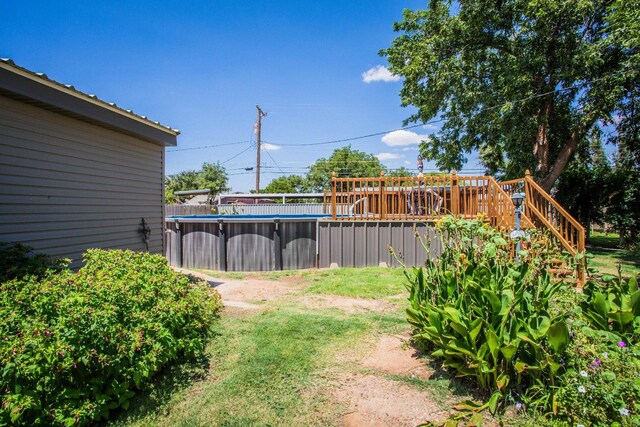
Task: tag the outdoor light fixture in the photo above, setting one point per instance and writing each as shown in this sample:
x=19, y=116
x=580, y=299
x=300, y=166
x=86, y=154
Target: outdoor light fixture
x=517, y=199
x=145, y=231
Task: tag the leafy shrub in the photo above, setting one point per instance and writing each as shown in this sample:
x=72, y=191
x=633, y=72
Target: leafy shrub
x=486, y=317
x=566, y=358
x=601, y=385
x=76, y=345
x=613, y=305
x=17, y=260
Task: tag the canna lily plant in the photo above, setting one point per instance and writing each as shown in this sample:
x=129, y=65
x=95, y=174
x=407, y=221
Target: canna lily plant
x=486, y=317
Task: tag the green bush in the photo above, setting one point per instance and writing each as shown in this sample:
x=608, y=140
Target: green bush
x=601, y=385
x=563, y=357
x=486, y=317
x=76, y=345
x=17, y=261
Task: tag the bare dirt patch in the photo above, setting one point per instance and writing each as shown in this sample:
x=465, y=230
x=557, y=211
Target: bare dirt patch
x=346, y=304
x=375, y=401
x=394, y=355
x=243, y=294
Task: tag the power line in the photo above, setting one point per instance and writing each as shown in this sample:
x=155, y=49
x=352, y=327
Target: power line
x=207, y=146
x=236, y=155
x=355, y=138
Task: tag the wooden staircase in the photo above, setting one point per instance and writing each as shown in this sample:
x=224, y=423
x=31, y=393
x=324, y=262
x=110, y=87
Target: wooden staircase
x=541, y=211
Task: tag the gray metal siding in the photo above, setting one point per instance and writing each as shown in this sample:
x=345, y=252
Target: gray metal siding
x=67, y=185
x=298, y=245
x=366, y=243
x=250, y=246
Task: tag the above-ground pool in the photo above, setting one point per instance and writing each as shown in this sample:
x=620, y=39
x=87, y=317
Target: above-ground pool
x=291, y=242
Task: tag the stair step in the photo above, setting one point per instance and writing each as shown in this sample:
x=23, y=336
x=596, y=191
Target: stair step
x=561, y=272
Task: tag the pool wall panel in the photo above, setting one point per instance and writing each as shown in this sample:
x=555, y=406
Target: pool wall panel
x=274, y=245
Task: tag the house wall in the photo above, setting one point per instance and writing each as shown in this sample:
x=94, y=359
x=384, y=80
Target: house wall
x=67, y=185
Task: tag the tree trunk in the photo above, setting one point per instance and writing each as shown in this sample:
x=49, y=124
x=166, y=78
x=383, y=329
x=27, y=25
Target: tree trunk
x=566, y=152
x=541, y=145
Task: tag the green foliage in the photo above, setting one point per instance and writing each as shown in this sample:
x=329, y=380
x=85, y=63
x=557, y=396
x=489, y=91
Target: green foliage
x=345, y=162
x=17, y=261
x=623, y=210
x=493, y=70
x=583, y=188
x=613, y=305
x=288, y=184
x=486, y=317
x=211, y=176
x=564, y=357
x=77, y=345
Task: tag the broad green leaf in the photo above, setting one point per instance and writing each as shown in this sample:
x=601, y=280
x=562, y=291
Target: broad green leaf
x=492, y=297
x=633, y=284
x=502, y=381
x=559, y=336
x=492, y=341
x=599, y=304
x=493, y=401
x=510, y=350
x=622, y=317
x=634, y=303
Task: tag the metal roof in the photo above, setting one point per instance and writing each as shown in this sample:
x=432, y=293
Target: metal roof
x=12, y=67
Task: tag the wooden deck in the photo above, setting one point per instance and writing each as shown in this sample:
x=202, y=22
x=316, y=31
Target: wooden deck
x=428, y=198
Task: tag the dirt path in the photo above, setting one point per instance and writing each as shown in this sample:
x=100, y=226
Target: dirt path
x=375, y=388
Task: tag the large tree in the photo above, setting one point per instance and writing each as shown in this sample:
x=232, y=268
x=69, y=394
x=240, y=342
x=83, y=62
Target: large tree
x=524, y=82
x=345, y=162
x=211, y=176
x=287, y=184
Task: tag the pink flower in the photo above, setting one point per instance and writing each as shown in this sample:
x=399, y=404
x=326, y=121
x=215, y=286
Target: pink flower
x=622, y=344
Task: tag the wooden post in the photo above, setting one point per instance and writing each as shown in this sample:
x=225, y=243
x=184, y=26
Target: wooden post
x=383, y=196
x=455, y=194
x=333, y=195
x=261, y=114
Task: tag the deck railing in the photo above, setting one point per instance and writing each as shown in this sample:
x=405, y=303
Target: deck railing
x=419, y=198
x=432, y=196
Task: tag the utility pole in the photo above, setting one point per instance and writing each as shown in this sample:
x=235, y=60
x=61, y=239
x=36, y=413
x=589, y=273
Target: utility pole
x=261, y=114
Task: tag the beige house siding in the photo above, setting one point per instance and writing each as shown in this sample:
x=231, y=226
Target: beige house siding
x=67, y=185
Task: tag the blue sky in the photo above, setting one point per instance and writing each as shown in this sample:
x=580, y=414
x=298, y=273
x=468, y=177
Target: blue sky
x=202, y=66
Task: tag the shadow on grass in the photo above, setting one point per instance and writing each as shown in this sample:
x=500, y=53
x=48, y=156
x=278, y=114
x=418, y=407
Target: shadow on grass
x=449, y=389
x=154, y=396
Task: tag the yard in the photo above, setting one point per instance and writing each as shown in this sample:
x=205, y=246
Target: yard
x=607, y=255
x=314, y=347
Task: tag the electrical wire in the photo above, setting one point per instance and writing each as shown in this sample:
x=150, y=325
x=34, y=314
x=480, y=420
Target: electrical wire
x=236, y=155
x=207, y=146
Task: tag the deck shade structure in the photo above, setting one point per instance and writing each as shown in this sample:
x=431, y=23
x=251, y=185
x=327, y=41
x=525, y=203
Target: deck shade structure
x=77, y=172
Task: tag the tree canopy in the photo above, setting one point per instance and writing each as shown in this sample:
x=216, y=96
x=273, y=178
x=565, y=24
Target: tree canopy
x=524, y=82
x=345, y=162
x=211, y=176
x=288, y=184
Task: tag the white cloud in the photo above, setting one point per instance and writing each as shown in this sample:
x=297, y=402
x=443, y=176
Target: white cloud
x=379, y=73
x=388, y=156
x=410, y=149
x=399, y=138
x=407, y=162
x=270, y=147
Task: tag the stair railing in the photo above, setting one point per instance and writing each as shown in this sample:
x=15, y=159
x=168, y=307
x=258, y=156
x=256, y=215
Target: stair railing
x=544, y=211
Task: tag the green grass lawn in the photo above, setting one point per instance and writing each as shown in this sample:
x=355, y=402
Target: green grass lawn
x=606, y=254
x=274, y=366
x=370, y=282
